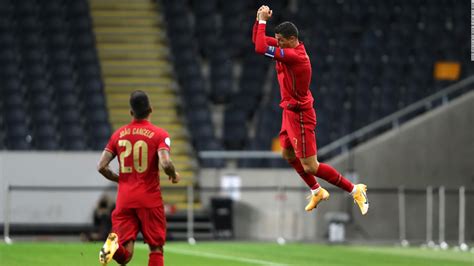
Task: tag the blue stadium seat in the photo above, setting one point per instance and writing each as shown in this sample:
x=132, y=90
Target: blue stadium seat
x=70, y=116
x=47, y=62
x=17, y=136
x=210, y=145
x=354, y=47
x=45, y=137
x=42, y=116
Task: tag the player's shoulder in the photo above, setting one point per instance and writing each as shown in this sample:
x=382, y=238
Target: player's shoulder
x=301, y=49
x=302, y=54
x=158, y=130
x=119, y=130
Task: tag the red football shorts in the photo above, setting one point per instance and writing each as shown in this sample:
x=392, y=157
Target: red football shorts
x=127, y=222
x=297, y=132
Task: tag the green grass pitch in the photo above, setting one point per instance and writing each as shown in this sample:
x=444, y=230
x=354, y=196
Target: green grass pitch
x=233, y=254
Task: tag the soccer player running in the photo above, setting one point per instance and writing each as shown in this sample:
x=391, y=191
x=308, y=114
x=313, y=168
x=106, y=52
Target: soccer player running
x=297, y=135
x=140, y=146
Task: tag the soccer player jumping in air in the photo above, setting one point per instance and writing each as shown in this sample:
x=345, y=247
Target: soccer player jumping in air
x=140, y=146
x=297, y=136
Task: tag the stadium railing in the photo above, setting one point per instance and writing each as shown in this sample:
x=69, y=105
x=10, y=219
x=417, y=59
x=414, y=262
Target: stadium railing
x=394, y=120
x=341, y=145
x=401, y=193
x=281, y=192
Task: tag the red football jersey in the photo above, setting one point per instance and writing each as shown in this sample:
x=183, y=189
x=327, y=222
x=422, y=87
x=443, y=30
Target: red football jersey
x=293, y=69
x=136, y=146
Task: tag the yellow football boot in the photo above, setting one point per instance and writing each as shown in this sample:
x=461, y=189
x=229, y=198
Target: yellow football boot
x=314, y=200
x=108, y=250
x=360, y=197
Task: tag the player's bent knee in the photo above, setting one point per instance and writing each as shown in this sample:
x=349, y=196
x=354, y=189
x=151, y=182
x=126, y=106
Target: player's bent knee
x=310, y=168
x=288, y=156
x=129, y=246
x=307, y=169
x=157, y=249
x=129, y=258
x=310, y=165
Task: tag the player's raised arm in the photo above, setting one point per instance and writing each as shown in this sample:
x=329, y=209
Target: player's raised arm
x=284, y=52
x=269, y=40
x=168, y=166
x=103, y=166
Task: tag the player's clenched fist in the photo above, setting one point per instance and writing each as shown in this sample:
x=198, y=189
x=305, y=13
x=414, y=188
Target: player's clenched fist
x=258, y=12
x=174, y=179
x=264, y=13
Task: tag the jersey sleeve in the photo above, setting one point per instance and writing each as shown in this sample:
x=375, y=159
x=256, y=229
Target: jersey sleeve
x=269, y=40
x=112, y=144
x=287, y=55
x=164, y=140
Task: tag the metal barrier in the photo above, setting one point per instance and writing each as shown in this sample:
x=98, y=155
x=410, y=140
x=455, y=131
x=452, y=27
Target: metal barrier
x=402, y=217
x=442, y=219
x=462, y=219
x=281, y=192
x=343, y=143
x=429, y=217
x=9, y=189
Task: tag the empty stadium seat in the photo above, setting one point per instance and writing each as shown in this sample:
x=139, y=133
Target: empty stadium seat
x=48, y=61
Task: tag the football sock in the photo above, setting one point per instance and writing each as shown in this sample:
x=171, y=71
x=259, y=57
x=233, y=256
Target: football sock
x=121, y=255
x=328, y=173
x=315, y=191
x=155, y=259
x=354, y=190
x=309, y=179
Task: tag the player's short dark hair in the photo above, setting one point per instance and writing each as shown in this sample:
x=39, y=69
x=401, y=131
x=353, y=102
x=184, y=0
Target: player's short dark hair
x=140, y=104
x=287, y=29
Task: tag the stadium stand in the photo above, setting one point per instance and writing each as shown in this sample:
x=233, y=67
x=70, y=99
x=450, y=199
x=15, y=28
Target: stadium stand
x=68, y=70
x=367, y=62
x=133, y=53
x=52, y=73
x=52, y=94
x=191, y=80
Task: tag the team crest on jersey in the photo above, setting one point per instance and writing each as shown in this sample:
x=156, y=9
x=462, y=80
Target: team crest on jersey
x=168, y=142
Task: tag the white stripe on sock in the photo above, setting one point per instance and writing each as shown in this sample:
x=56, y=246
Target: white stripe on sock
x=354, y=190
x=315, y=191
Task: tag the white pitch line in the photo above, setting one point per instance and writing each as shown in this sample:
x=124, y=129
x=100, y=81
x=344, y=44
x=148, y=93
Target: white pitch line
x=223, y=257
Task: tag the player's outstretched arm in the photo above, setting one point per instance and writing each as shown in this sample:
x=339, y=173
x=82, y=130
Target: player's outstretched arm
x=103, y=166
x=287, y=55
x=269, y=40
x=168, y=166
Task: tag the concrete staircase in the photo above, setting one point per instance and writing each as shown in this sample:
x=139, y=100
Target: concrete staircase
x=133, y=53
